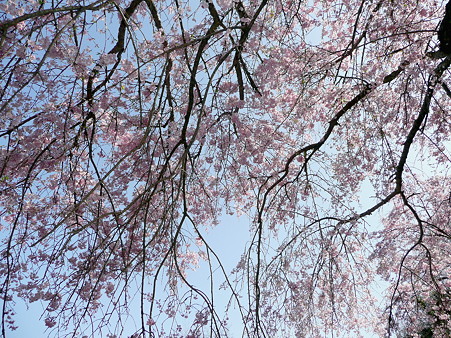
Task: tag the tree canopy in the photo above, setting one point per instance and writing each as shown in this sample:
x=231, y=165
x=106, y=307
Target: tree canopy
x=128, y=128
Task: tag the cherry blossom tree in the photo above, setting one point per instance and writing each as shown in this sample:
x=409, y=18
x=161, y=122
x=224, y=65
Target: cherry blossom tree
x=129, y=127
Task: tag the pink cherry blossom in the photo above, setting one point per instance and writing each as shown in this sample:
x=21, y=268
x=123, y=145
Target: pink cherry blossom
x=130, y=129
